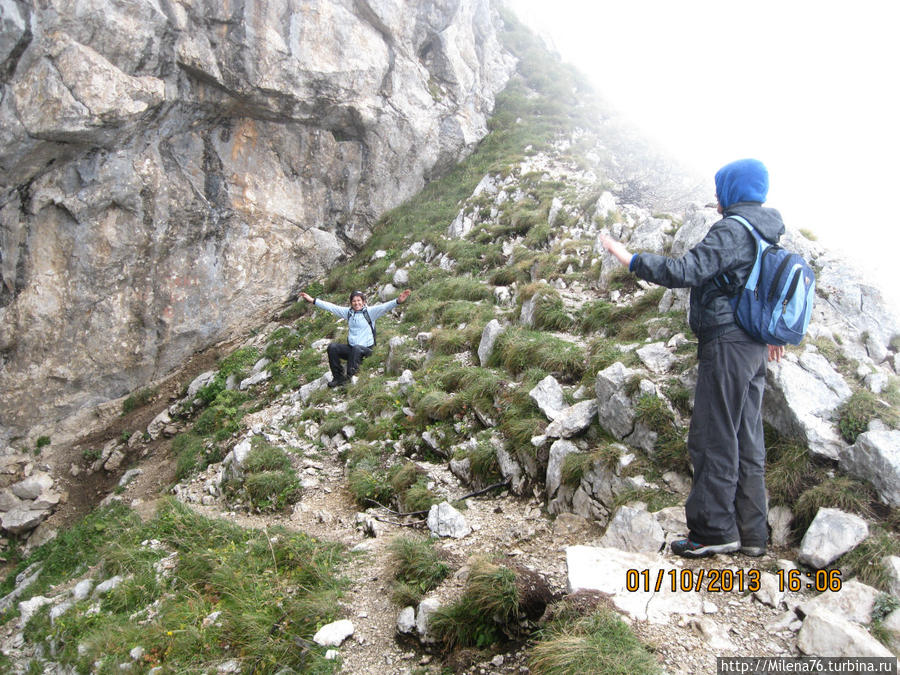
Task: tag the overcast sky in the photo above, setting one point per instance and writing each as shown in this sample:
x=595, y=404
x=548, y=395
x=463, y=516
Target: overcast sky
x=810, y=88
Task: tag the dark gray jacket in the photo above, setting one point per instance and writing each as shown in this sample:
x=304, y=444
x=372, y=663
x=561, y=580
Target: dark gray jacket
x=727, y=248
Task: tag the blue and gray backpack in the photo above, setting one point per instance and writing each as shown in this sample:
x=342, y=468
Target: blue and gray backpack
x=775, y=303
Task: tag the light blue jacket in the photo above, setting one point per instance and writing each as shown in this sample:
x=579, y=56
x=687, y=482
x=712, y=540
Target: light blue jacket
x=359, y=333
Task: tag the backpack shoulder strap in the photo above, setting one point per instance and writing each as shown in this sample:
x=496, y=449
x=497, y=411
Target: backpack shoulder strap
x=746, y=223
x=724, y=282
x=371, y=325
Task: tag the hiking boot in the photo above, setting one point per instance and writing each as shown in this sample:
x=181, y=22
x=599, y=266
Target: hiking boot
x=692, y=549
x=337, y=382
x=753, y=551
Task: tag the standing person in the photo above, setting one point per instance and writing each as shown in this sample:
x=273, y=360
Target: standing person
x=726, y=509
x=360, y=334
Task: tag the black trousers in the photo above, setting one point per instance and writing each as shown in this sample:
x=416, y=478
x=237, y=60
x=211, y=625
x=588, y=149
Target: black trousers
x=726, y=445
x=352, y=355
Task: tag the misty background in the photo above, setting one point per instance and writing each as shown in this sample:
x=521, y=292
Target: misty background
x=809, y=88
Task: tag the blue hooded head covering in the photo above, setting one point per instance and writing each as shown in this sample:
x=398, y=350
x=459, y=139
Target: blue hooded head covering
x=745, y=180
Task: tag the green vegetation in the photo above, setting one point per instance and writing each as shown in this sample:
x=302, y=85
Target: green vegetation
x=574, y=466
x=482, y=462
x=221, y=419
x=519, y=349
x=868, y=560
x=193, y=454
x=418, y=568
x=368, y=476
x=884, y=605
x=598, y=642
x=410, y=484
x=549, y=311
x=670, y=450
x=267, y=481
x=861, y=408
x=489, y=605
x=138, y=400
x=41, y=443
x=790, y=470
x=272, y=590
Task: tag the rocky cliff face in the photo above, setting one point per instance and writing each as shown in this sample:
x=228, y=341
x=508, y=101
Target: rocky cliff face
x=173, y=170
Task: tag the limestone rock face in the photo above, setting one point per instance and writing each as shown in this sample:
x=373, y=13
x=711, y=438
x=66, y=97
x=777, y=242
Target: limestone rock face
x=172, y=173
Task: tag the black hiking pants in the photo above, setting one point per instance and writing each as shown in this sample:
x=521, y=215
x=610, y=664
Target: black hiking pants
x=726, y=444
x=352, y=355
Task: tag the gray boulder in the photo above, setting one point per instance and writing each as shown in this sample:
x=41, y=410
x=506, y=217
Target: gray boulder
x=8, y=501
x=446, y=521
x=771, y=591
x=510, y=469
x=310, y=388
x=22, y=519
x=488, y=337
x=875, y=457
x=558, y=453
x=892, y=564
x=827, y=634
x=334, y=634
x=633, y=529
x=24, y=579
x=855, y=304
x=697, y=221
x=779, y=519
x=801, y=396
x=394, y=364
x=461, y=225
x=199, y=382
x=614, y=409
x=158, y=423
x=406, y=620
x=854, y=601
x=573, y=420
x=426, y=608
x=548, y=396
x=526, y=316
x=33, y=486
x=656, y=357
x=621, y=575
x=831, y=534
x=650, y=236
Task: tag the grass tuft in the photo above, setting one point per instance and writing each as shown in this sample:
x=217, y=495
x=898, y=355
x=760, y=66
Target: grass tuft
x=598, y=643
x=862, y=407
x=867, y=561
x=418, y=568
x=518, y=350
x=489, y=604
x=269, y=482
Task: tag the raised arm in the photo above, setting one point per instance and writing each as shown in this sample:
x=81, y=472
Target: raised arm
x=376, y=311
x=342, y=312
x=716, y=253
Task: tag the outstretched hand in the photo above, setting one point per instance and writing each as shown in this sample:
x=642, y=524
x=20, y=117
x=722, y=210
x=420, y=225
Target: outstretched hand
x=616, y=248
x=402, y=297
x=307, y=297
